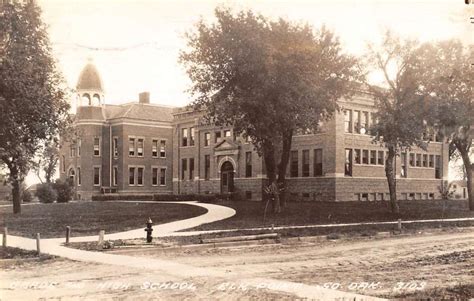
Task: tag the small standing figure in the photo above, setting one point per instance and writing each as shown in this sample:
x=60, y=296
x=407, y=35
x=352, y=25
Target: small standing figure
x=149, y=230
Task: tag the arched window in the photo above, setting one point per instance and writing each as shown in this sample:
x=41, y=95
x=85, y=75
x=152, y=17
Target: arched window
x=96, y=99
x=86, y=99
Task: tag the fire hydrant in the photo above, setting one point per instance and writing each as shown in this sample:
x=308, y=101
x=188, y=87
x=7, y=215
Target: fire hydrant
x=148, y=230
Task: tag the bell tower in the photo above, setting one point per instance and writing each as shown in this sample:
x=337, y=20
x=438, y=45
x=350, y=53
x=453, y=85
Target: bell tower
x=90, y=91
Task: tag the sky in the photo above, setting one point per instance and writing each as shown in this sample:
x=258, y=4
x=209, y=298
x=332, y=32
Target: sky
x=135, y=44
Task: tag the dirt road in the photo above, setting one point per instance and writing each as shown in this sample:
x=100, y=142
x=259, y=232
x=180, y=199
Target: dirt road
x=379, y=267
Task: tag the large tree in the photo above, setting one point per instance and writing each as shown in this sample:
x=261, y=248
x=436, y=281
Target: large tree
x=450, y=84
x=268, y=79
x=32, y=95
x=400, y=101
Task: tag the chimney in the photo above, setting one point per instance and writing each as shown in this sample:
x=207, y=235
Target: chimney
x=144, y=97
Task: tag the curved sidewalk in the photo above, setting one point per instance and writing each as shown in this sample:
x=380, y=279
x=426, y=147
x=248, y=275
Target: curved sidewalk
x=214, y=213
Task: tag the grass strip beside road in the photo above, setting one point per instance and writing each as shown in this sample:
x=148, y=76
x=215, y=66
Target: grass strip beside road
x=88, y=218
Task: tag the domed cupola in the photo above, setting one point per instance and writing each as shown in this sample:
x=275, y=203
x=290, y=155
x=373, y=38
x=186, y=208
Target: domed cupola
x=89, y=87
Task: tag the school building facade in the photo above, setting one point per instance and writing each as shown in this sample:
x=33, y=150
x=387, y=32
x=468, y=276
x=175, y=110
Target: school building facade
x=143, y=148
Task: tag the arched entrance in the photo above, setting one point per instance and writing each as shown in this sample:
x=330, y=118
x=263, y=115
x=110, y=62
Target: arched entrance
x=227, y=177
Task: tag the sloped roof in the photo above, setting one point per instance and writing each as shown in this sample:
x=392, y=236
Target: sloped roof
x=139, y=111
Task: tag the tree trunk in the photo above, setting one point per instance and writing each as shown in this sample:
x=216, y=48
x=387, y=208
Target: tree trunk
x=469, y=173
x=15, y=181
x=282, y=166
x=392, y=184
x=270, y=166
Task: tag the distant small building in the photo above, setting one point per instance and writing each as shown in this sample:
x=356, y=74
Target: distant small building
x=459, y=189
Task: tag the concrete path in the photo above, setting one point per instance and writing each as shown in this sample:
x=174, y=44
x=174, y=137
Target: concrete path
x=214, y=213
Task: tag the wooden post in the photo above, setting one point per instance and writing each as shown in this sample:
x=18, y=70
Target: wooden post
x=399, y=224
x=273, y=226
x=4, y=239
x=101, y=238
x=68, y=234
x=38, y=248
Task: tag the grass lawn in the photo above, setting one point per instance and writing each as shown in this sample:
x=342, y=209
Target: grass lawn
x=250, y=214
x=88, y=218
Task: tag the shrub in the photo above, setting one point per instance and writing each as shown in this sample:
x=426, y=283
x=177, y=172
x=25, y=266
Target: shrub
x=27, y=197
x=64, y=191
x=46, y=193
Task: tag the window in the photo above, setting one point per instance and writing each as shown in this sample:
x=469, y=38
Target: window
x=373, y=121
x=184, y=167
x=154, y=176
x=79, y=180
x=357, y=156
x=364, y=126
x=131, y=147
x=365, y=156
x=438, y=167
x=207, y=139
x=140, y=147
x=115, y=147
x=418, y=160
x=294, y=164
x=162, y=176
x=357, y=128
x=140, y=176
x=217, y=137
x=364, y=197
x=403, y=167
x=318, y=162
x=425, y=160
x=96, y=176
x=431, y=161
x=184, y=135
x=373, y=159
x=348, y=121
x=162, y=148
x=131, y=176
x=72, y=151
x=207, y=167
x=348, y=163
x=248, y=164
x=191, y=137
x=79, y=144
x=154, y=148
x=412, y=160
x=305, y=169
x=191, y=169
x=96, y=146
x=227, y=133
x=380, y=158
x=115, y=176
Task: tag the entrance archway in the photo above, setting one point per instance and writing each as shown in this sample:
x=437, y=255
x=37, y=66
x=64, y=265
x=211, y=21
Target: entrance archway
x=227, y=177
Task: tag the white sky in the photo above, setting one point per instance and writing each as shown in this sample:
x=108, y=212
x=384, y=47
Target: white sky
x=150, y=34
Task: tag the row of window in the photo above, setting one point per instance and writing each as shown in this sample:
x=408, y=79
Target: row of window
x=305, y=164
x=207, y=167
x=188, y=136
x=136, y=147
x=136, y=176
x=379, y=196
x=377, y=158
x=358, y=121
